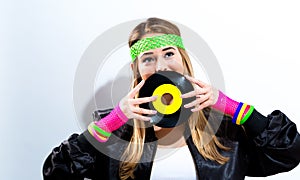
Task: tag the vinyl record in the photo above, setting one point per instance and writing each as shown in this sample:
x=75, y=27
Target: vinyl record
x=168, y=86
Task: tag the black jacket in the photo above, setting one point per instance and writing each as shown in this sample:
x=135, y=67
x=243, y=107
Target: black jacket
x=262, y=146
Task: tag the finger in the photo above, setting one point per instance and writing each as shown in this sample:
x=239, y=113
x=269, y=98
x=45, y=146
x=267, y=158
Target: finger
x=200, y=107
x=198, y=101
x=142, y=100
x=198, y=91
x=193, y=103
x=143, y=111
x=204, y=102
x=136, y=89
x=195, y=81
x=189, y=94
x=203, y=98
x=205, y=90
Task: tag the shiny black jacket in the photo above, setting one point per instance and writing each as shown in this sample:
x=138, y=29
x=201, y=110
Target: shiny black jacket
x=262, y=146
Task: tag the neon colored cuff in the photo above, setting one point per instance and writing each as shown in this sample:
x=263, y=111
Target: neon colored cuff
x=240, y=112
x=96, y=136
x=236, y=113
x=246, y=117
x=238, y=120
x=113, y=121
x=99, y=130
x=225, y=104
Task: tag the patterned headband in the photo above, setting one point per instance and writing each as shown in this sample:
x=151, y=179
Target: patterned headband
x=154, y=42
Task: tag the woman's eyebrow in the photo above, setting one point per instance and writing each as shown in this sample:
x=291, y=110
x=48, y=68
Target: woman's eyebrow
x=167, y=48
x=147, y=53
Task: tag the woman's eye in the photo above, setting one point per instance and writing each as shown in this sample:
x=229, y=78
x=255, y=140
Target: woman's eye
x=169, y=54
x=148, y=60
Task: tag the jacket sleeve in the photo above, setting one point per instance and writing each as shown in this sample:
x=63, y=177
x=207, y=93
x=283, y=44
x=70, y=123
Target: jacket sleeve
x=273, y=144
x=76, y=158
x=70, y=160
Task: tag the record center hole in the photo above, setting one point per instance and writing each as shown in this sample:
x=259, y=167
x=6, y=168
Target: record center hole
x=167, y=99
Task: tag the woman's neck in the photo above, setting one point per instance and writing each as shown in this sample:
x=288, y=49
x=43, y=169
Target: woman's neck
x=170, y=137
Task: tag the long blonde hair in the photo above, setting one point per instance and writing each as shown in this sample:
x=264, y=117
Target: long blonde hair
x=199, y=126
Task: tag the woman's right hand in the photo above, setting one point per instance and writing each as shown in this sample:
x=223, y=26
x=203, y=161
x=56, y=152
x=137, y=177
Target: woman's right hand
x=130, y=105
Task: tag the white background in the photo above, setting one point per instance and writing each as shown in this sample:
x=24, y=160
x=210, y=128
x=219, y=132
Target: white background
x=256, y=43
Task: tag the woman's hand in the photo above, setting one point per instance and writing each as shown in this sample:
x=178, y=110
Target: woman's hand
x=130, y=105
x=205, y=94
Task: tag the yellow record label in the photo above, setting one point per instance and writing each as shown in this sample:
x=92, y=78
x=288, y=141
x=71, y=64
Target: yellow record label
x=176, y=102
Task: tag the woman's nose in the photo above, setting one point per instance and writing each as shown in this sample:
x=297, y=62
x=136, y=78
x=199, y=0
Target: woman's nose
x=161, y=65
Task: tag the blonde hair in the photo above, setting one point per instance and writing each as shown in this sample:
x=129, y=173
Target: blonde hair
x=201, y=130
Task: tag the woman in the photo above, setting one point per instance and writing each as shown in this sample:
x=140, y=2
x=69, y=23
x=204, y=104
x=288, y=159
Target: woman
x=252, y=145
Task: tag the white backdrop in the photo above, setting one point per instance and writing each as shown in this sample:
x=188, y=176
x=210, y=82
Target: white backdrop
x=41, y=43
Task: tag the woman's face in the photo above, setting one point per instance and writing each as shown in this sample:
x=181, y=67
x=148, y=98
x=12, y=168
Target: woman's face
x=167, y=58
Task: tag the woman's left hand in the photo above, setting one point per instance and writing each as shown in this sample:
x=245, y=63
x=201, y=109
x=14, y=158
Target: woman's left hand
x=205, y=94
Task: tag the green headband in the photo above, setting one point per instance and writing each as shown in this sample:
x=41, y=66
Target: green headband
x=154, y=42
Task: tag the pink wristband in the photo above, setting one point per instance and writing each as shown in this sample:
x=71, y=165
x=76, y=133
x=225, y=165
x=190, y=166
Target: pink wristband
x=113, y=121
x=225, y=104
